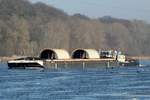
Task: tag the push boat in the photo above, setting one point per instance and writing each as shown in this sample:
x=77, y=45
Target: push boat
x=25, y=62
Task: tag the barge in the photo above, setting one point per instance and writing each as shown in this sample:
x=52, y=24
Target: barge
x=80, y=58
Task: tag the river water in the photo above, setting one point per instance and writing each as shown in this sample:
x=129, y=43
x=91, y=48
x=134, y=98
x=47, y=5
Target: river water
x=123, y=83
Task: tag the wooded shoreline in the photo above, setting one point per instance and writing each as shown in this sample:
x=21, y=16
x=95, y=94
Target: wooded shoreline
x=26, y=28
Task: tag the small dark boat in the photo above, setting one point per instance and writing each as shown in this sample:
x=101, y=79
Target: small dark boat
x=131, y=62
x=26, y=62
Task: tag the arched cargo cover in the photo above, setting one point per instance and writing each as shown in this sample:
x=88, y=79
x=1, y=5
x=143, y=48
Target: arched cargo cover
x=85, y=54
x=58, y=54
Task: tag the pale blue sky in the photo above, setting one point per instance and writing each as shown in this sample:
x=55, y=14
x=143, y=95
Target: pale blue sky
x=128, y=9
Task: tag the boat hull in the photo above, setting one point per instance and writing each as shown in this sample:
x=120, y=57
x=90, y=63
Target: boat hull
x=130, y=63
x=80, y=64
x=22, y=64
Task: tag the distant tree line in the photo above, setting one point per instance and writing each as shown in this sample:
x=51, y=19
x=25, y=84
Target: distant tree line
x=27, y=28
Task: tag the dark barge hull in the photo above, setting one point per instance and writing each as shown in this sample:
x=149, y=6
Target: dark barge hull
x=83, y=64
x=79, y=64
